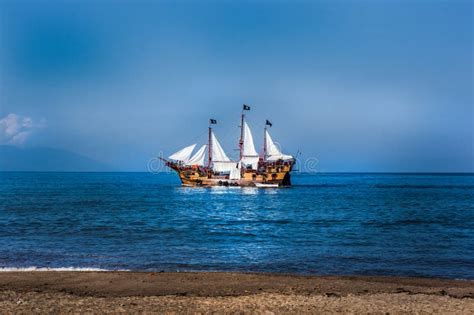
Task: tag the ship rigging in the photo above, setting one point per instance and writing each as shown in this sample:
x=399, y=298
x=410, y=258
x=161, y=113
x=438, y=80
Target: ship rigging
x=271, y=169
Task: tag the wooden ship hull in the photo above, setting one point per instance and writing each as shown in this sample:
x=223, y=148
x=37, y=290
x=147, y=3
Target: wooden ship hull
x=270, y=169
x=271, y=173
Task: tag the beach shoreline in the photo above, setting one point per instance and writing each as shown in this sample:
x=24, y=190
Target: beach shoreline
x=185, y=292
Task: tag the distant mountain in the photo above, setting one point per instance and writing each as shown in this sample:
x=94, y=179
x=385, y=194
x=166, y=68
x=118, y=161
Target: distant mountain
x=38, y=159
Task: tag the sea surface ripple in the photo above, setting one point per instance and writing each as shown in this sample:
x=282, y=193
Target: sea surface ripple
x=352, y=224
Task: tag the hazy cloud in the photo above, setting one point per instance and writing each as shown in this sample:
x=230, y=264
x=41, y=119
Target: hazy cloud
x=16, y=129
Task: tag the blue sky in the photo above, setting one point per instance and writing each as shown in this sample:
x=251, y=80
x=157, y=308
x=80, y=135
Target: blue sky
x=359, y=85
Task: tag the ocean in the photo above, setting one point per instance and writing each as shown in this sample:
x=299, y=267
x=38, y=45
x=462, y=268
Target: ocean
x=326, y=224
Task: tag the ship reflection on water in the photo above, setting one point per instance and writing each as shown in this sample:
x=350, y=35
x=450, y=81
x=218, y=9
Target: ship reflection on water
x=219, y=190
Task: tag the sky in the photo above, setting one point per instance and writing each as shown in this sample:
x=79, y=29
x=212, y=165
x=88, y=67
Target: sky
x=357, y=86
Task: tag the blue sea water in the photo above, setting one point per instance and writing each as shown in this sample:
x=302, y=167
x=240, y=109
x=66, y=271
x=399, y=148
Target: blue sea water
x=351, y=224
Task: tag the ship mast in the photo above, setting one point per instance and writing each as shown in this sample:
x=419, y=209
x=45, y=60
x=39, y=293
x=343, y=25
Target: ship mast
x=209, y=144
x=241, y=141
x=265, y=142
x=267, y=123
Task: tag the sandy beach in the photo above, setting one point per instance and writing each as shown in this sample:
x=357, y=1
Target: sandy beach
x=130, y=292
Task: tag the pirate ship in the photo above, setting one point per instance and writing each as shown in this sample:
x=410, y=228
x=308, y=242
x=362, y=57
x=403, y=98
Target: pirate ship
x=270, y=169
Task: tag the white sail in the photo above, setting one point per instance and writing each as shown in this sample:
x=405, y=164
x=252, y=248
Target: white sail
x=183, y=154
x=235, y=172
x=249, y=154
x=223, y=166
x=198, y=157
x=218, y=154
x=220, y=160
x=273, y=153
x=248, y=147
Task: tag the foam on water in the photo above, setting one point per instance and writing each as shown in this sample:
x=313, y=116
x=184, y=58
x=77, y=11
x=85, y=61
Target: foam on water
x=32, y=268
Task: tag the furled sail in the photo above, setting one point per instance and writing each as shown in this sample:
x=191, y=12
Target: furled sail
x=220, y=160
x=198, y=157
x=273, y=152
x=183, y=154
x=249, y=154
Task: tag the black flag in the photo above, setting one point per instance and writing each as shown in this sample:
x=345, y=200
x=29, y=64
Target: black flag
x=268, y=123
x=212, y=121
x=246, y=107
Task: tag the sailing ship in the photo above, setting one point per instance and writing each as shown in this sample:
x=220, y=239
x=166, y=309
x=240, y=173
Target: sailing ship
x=270, y=169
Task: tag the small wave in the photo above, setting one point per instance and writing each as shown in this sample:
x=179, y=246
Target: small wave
x=425, y=186
x=322, y=185
x=27, y=269
x=411, y=222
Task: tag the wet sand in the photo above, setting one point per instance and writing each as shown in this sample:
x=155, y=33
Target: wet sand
x=112, y=292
